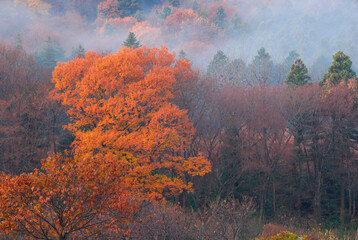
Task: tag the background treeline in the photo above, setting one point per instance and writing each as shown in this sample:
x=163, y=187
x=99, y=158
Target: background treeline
x=282, y=147
x=274, y=134
x=196, y=26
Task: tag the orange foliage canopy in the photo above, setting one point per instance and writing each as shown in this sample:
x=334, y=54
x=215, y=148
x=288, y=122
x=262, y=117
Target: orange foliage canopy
x=130, y=143
x=121, y=110
x=66, y=200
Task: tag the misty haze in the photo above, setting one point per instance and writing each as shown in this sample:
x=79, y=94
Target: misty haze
x=179, y=119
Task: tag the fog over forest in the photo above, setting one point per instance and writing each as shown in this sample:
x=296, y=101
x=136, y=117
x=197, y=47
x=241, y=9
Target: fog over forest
x=315, y=29
x=179, y=119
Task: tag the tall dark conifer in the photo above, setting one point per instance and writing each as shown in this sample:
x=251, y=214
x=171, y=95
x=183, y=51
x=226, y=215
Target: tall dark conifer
x=220, y=18
x=299, y=74
x=339, y=71
x=131, y=41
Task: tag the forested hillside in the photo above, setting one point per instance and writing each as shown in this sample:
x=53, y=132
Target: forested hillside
x=179, y=119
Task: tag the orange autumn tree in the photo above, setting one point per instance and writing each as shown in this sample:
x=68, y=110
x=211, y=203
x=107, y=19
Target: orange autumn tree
x=121, y=110
x=67, y=199
x=130, y=145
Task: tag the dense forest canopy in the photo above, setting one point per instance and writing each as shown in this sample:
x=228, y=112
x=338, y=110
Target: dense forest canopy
x=178, y=119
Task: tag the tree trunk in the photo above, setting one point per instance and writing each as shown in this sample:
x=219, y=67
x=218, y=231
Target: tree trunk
x=317, y=197
x=274, y=194
x=64, y=237
x=342, y=209
x=261, y=205
x=354, y=205
x=349, y=202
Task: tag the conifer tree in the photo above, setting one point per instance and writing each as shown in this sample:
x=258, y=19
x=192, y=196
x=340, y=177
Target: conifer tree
x=262, y=69
x=131, y=41
x=195, y=6
x=218, y=65
x=298, y=75
x=182, y=55
x=262, y=56
x=220, y=18
x=139, y=16
x=79, y=52
x=290, y=59
x=236, y=24
x=339, y=71
x=50, y=54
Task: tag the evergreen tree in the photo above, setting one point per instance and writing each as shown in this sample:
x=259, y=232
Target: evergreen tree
x=166, y=12
x=132, y=41
x=220, y=18
x=235, y=24
x=174, y=3
x=298, y=75
x=79, y=52
x=262, y=68
x=139, y=16
x=339, y=71
x=218, y=66
x=195, y=6
x=19, y=42
x=50, y=54
x=182, y=55
x=262, y=57
x=292, y=56
x=47, y=56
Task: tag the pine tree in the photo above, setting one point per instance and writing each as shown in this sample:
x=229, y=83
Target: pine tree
x=339, y=71
x=79, y=52
x=262, y=68
x=292, y=56
x=50, y=54
x=298, y=75
x=195, y=6
x=139, y=16
x=182, y=55
x=220, y=18
x=262, y=56
x=132, y=41
x=47, y=55
x=218, y=66
x=236, y=24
